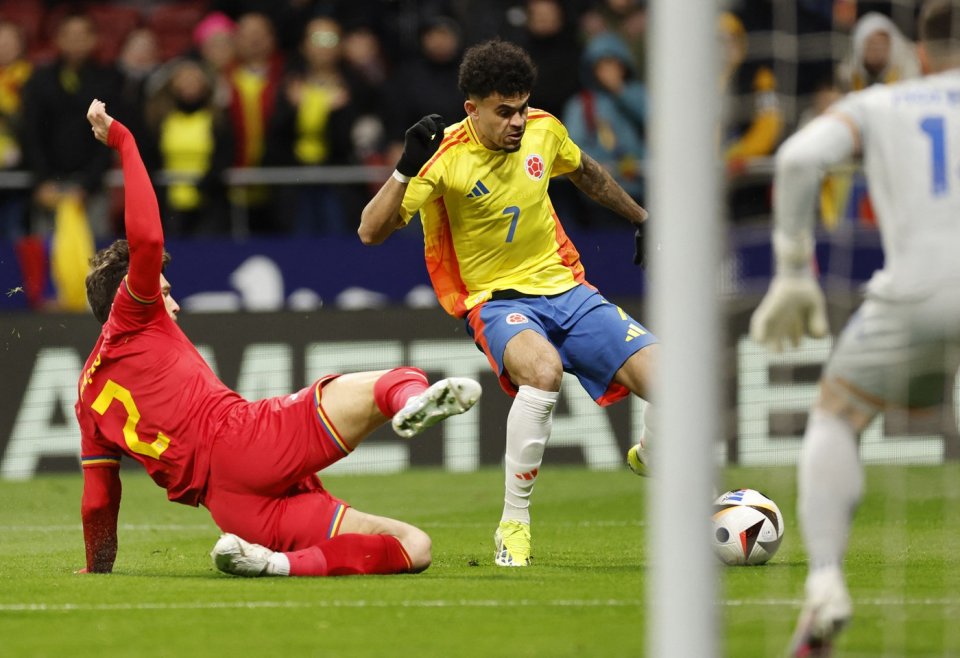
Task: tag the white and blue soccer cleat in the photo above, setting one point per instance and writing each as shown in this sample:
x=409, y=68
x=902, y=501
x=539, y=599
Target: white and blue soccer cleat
x=445, y=398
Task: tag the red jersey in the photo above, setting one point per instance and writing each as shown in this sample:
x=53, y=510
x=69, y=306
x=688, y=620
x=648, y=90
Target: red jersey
x=147, y=393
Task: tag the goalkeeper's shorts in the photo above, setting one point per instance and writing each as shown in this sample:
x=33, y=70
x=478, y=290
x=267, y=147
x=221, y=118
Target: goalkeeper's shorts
x=903, y=353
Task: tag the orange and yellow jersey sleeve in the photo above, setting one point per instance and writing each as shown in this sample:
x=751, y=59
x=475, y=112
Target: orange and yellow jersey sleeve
x=488, y=223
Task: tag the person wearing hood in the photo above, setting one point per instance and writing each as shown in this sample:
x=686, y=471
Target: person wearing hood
x=608, y=117
x=880, y=54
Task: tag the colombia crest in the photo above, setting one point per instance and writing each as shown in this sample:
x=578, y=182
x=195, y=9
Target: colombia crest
x=534, y=166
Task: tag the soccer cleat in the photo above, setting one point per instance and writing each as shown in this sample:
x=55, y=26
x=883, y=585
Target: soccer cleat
x=241, y=558
x=637, y=460
x=513, y=544
x=826, y=612
x=445, y=398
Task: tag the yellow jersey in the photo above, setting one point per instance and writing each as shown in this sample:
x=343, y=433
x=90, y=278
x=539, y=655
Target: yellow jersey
x=488, y=223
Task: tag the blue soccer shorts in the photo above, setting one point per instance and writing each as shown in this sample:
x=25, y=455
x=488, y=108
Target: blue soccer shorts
x=593, y=337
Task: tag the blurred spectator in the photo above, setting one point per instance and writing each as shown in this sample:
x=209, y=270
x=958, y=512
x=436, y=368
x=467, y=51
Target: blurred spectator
x=365, y=56
x=190, y=137
x=628, y=18
x=139, y=57
x=15, y=70
x=312, y=123
x=480, y=20
x=254, y=79
x=287, y=16
x=68, y=167
x=752, y=119
x=363, y=53
x=55, y=138
x=880, y=54
x=213, y=39
x=427, y=83
x=551, y=39
x=607, y=118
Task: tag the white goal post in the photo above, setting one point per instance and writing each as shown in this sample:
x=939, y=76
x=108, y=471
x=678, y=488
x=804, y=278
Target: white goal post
x=684, y=242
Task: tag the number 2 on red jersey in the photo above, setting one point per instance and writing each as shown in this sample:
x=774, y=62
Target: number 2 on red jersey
x=113, y=391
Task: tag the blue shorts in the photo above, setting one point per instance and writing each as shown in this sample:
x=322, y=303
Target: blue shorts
x=594, y=337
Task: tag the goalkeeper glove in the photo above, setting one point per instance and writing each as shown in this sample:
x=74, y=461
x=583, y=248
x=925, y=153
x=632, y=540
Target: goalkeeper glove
x=792, y=307
x=419, y=143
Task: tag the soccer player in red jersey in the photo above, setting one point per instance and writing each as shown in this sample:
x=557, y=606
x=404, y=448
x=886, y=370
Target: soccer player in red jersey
x=146, y=393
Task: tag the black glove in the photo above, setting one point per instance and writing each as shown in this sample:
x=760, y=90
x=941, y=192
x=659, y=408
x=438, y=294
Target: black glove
x=640, y=255
x=419, y=143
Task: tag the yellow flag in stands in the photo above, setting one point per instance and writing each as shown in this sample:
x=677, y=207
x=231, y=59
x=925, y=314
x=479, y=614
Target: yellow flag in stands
x=70, y=253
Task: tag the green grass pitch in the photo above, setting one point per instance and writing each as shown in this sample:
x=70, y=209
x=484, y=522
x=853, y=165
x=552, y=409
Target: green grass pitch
x=584, y=596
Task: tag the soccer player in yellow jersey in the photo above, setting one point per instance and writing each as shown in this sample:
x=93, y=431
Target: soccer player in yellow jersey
x=499, y=258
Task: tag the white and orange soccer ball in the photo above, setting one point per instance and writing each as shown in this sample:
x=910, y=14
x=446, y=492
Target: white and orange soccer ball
x=747, y=527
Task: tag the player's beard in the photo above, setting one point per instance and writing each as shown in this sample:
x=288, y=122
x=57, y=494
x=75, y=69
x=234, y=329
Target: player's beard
x=513, y=147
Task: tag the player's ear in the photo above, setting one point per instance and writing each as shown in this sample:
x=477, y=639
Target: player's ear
x=470, y=108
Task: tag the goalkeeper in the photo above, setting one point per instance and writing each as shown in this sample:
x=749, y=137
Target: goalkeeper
x=499, y=258
x=902, y=347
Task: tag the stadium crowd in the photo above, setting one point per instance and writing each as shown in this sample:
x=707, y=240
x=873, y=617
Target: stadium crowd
x=206, y=86
x=210, y=86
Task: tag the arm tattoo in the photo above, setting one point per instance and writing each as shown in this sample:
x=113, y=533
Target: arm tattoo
x=597, y=183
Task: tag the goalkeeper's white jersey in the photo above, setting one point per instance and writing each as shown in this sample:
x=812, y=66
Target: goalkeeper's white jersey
x=910, y=135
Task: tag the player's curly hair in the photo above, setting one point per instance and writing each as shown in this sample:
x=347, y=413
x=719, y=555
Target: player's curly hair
x=107, y=269
x=496, y=66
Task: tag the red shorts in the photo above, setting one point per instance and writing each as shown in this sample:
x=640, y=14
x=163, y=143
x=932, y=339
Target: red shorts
x=263, y=484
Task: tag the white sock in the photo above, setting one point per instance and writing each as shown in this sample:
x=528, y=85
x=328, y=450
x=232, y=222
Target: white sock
x=278, y=564
x=830, y=482
x=649, y=425
x=528, y=428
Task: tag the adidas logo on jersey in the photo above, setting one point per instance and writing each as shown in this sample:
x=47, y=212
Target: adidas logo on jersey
x=478, y=190
x=633, y=331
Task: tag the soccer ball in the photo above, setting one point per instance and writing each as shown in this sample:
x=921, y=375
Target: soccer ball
x=747, y=527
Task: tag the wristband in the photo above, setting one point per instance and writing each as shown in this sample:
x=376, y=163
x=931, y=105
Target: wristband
x=400, y=177
x=793, y=254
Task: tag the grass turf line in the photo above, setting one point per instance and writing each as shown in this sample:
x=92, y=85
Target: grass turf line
x=583, y=597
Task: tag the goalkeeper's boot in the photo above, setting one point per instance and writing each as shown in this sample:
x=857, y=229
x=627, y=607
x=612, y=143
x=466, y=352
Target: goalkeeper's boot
x=445, y=398
x=638, y=460
x=826, y=612
x=513, y=544
x=241, y=558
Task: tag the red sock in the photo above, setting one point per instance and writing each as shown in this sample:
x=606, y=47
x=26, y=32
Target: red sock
x=351, y=555
x=307, y=562
x=393, y=389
